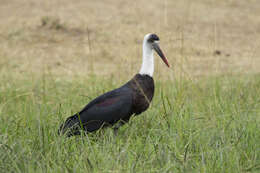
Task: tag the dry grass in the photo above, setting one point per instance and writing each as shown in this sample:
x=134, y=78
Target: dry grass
x=70, y=38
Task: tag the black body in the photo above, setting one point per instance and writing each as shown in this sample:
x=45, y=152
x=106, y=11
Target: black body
x=117, y=105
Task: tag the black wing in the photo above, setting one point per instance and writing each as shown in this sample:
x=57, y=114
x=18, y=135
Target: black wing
x=106, y=109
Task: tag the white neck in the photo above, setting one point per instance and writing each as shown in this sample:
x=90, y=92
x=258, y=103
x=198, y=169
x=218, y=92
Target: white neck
x=148, y=60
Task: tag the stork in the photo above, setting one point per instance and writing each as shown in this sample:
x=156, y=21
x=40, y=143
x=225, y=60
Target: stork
x=118, y=105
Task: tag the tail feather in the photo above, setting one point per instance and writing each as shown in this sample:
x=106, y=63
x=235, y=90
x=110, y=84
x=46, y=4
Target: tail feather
x=70, y=127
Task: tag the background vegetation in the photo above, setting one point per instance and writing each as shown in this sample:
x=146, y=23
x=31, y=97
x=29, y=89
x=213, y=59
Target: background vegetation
x=55, y=56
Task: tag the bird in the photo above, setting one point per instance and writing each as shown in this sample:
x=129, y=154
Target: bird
x=114, y=108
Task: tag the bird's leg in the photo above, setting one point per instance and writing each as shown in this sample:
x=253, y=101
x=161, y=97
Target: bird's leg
x=115, y=131
x=117, y=125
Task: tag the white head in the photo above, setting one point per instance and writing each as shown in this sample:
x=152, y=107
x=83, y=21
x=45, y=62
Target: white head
x=150, y=43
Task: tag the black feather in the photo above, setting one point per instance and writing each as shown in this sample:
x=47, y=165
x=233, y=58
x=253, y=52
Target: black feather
x=132, y=98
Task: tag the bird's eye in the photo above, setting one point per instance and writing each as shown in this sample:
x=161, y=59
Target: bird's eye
x=150, y=40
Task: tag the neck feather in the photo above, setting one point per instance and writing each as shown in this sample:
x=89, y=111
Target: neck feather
x=148, y=60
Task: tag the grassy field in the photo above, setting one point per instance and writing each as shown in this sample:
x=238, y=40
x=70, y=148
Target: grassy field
x=205, y=126
x=55, y=56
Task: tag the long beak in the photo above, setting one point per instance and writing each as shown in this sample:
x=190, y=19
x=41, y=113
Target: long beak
x=160, y=53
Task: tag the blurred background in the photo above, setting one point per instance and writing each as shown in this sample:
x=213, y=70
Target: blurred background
x=73, y=38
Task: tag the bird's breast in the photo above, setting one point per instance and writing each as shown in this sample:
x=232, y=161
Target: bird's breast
x=143, y=90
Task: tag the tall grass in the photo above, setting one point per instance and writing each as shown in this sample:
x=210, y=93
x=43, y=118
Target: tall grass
x=208, y=125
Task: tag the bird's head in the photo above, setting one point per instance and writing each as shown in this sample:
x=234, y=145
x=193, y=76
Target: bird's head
x=152, y=40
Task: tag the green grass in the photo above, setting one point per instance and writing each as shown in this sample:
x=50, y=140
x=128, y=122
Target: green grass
x=208, y=125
